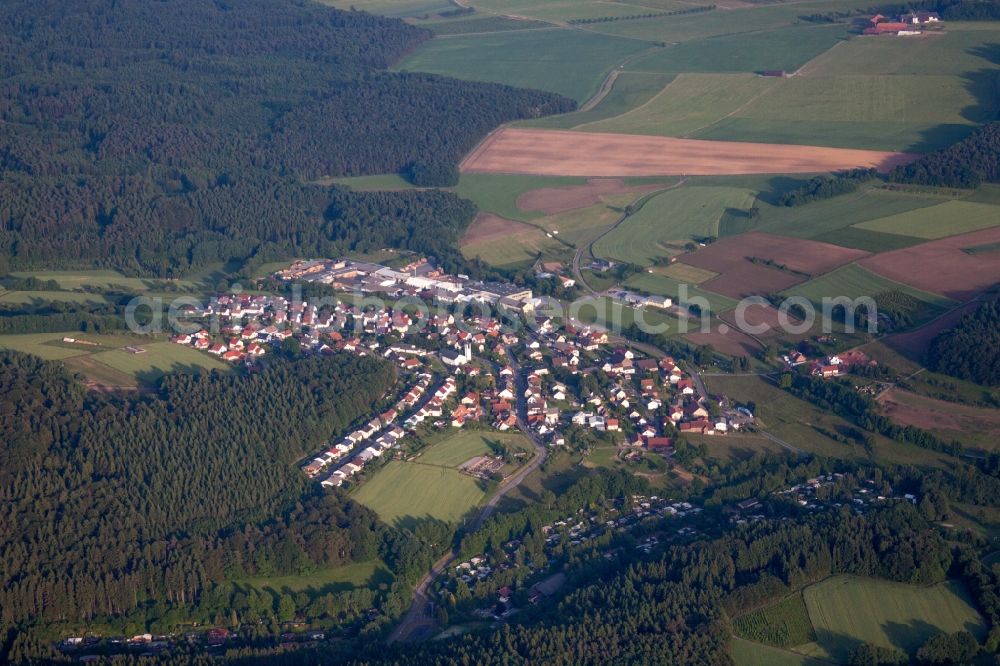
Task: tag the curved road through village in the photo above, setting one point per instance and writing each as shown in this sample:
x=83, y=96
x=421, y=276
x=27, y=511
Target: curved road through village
x=418, y=623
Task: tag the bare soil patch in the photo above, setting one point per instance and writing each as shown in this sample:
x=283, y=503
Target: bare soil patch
x=732, y=342
x=553, y=200
x=740, y=277
x=941, y=267
x=489, y=227
x=922, y=412
x=566, y=153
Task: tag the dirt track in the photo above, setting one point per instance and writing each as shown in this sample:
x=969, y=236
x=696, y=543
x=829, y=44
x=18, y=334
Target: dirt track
x=565, y=153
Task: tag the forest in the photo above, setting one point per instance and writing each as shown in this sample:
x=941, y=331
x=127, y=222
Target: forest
x=119, y=506
x=159, y=137
x=966, y=164
x=970, y=350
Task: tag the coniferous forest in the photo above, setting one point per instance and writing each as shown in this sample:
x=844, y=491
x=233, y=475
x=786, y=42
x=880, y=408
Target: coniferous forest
x=156, y=137
x=112, y=501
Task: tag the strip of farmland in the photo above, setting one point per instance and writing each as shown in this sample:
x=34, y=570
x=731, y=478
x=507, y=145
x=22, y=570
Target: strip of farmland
x=563, y=153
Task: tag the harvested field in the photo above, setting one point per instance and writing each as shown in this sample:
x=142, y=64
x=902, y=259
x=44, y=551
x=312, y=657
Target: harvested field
x=731, y=343
x=553, y=200
x=740, y=277
x=562, y=153
x=941, y=267
x=757, y=316
x=489, y=227
x=908, y=408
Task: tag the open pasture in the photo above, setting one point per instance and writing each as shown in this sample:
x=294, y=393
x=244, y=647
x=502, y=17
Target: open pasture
x=28, y=297
x=941, y=266
x=570, y=62
x=394, y=8
x=739, y=277
x=849, y=610
x=560, y=153
x=404, y=493
x=357, y=574
x=973, y=426
x=748, y=653
x=679, y=215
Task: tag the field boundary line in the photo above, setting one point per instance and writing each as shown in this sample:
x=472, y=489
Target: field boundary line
x=690, y=133
x=630, y=111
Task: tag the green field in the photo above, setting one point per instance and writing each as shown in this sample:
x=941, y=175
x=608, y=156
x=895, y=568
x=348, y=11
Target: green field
x=616, y=316
x=910, y=113
x=498, y=193
x=403, y=493
x=853, y=281
x=570, y=62
x=747, y=653
x=27, y=297
x=480, y=24
x=359, y=574
x=394, y=8
x=823, y=219
x=463, y=445
x=80, y=279
x=689, y=103
x=677, y=215
x=848, y=610
x=784, y=624
x=945, y=219
x=106, y=363
x=630, y=90
x=785, y=49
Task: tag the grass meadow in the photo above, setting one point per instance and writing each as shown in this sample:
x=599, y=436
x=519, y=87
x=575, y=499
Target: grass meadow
x=848, y=610
x=677, y=216
x=569, y=62
x=404, y=493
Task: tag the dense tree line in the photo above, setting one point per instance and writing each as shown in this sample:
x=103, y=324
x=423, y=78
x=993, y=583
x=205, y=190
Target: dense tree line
x=157, y=137
x=970, y=350
x=112, y=503
x=966, y=164
x=824, y=187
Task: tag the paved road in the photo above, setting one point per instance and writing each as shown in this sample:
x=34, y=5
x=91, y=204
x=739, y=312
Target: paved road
x=589, y=247
x=418, y=624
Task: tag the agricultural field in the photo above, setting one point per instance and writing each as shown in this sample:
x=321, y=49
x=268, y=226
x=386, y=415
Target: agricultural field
x=80, y=279
x=956, y=274
x=690, y=102
x=404, y=493
x=748, y=653
x=350, y=576
x=464, y=445
x=675, y=216
x=501, y=194
x=28, y=297
x=847, y=610
x=786, y=49
x=616, y=316
x=902, y=113
x=106, y=363
x=480, y=24
x=784, y=624
x=794, y=261
x=502, y=242
x=945, y=219
x=629, y=91
x=394, y=8
x=592, y=154
x=977, y=427
x=853, y=281
x=570, y=62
